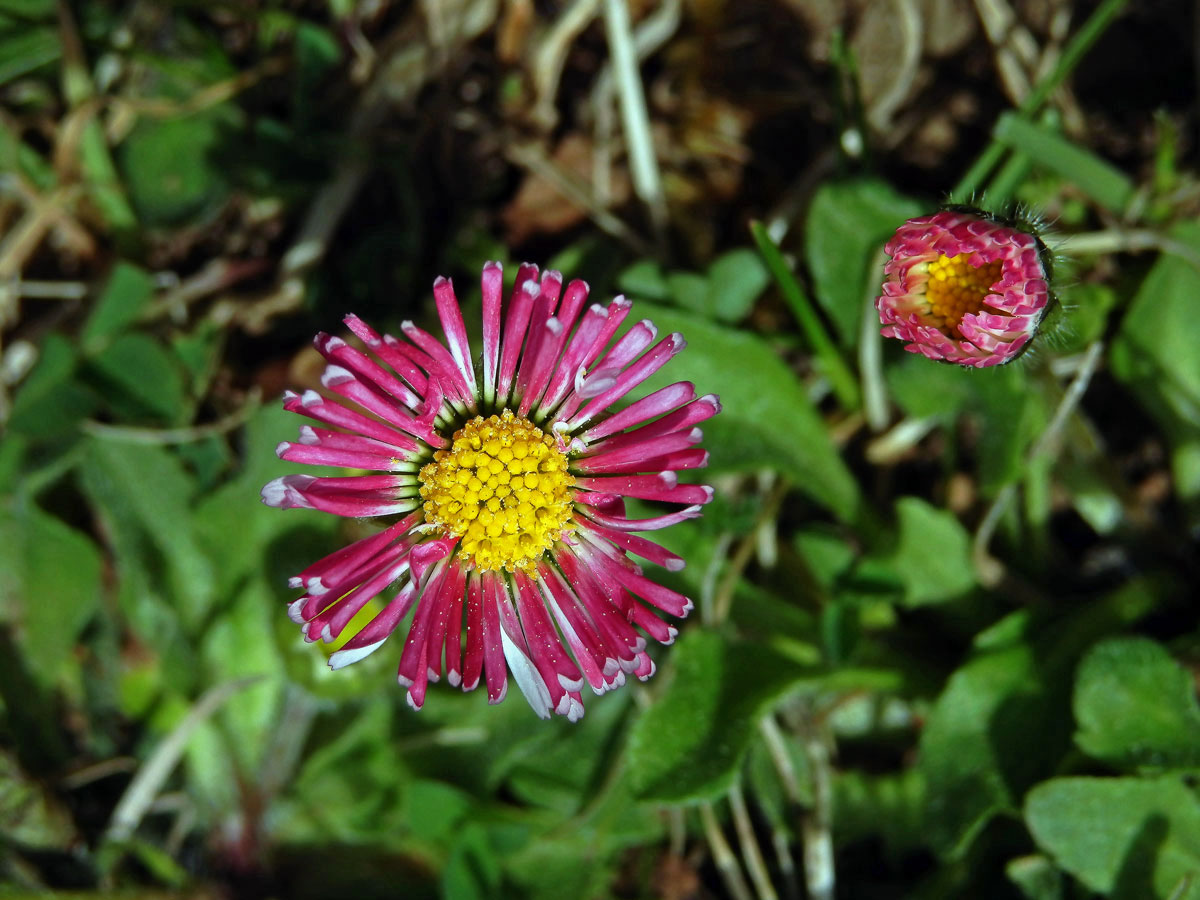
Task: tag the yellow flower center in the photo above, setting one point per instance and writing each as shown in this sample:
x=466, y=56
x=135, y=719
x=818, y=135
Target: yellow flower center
x=503, y=489
x=957, y=287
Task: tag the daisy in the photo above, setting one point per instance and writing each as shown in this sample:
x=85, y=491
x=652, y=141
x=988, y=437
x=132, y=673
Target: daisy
x=507, y=479
x=964, y=287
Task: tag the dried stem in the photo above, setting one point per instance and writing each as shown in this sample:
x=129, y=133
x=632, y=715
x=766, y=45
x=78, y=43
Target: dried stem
x=990, y=569
x=816, y=825
x=751, y=852
x=647, y=181
x=723, y=856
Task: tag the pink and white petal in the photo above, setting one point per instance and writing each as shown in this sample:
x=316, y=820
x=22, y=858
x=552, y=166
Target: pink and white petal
x=654, y=523
x=661, y=402
x=520, y=663
x=664, y=486
x=450, y=315
x=494, y=665
x=492, y=282
x=639, y=546
x=376, y=632
x=647, y=365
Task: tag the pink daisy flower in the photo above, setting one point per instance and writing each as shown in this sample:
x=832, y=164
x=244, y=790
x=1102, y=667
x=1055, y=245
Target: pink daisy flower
x=512, y=548
x=964, y=287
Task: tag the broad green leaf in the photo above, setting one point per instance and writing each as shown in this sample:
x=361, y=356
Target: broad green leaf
x=236, y=644
x=50, y=584
x=767, y=420
x=998, y=400
x=976, y=729
x=472, y=871
x=28, y=10
x=689, y=745
x=923, y=390
x=561, y=767
x=933, y=559
x=145, y=589
x=156, y=492
x=1127, y=838
x=847, y=224
x=126, y=294
x=434, y=808
x=170, y=169
x=200, y=354
x=246, y=536
x=976, y=754
x=1007, y=412
x=558, y=867
x=725, y=292
x=689, y=290
x=352, y=759
x=139, y=379
x=1136, y=708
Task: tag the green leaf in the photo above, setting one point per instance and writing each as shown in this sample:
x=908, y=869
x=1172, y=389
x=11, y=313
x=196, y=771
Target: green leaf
x=169, y=167
x=689, y=744
x=1154, y=355
x=1127, y=838
x=128, y=291
x=828, y=357
x=923, y=390
x=472, y=871
x=245, y=535
x=887, y=806
x=1098, y=178
x=767, y=420
x=139, y=378
x=1136, y=707
x=847, y=224
x=25, y=49
x=30, y=815
x=51, y=403
x=235, y=645
x=735, y=280
x=981, y=717
x=155, y=491
x=50, y=584
x=644, y=280
x=933, y=559
x=977, y=755
x=1036, y=877
x=999, y=400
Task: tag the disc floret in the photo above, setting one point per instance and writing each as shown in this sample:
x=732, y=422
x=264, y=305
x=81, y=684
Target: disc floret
x=502, y=489
x=957, y=287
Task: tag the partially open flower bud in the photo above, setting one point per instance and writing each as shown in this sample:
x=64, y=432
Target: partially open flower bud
x=965, y=287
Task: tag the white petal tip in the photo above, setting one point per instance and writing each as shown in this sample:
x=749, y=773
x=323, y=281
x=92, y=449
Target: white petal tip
x=342, y=658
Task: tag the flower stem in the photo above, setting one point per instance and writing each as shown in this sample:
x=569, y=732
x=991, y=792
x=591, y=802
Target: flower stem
x=844, y=384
